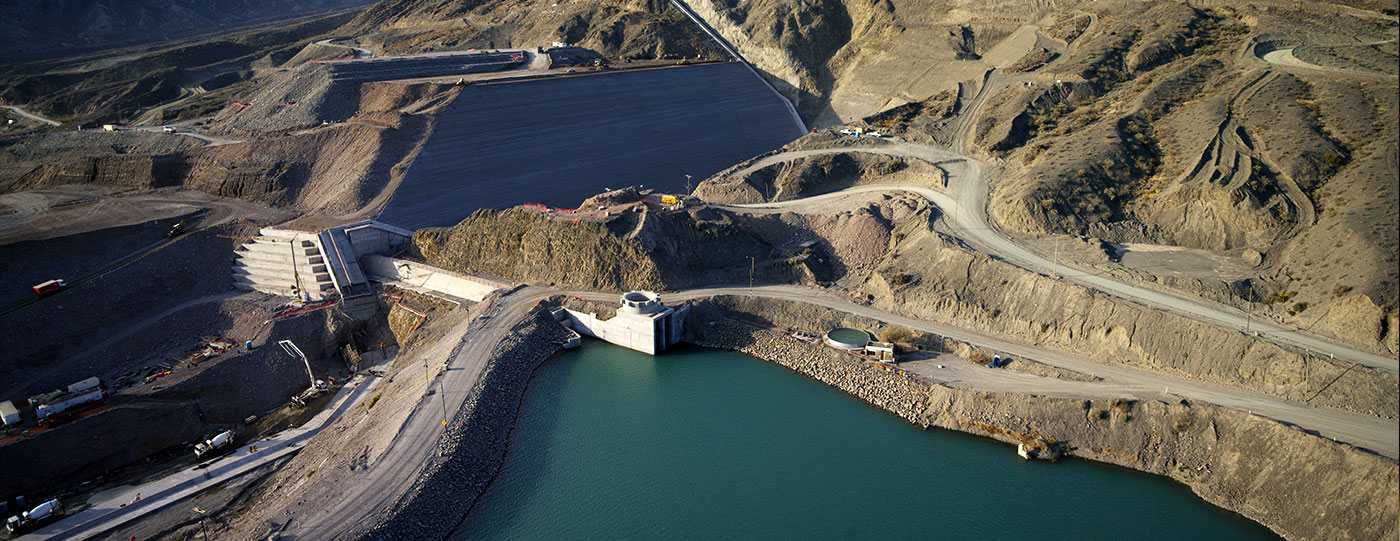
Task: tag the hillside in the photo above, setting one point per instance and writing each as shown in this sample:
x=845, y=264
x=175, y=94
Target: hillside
x=1248, y=132
x=617, y=29
x=53, y=26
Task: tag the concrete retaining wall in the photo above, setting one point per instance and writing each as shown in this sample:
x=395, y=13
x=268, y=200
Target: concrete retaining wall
x=426, y=277
x=636, y=332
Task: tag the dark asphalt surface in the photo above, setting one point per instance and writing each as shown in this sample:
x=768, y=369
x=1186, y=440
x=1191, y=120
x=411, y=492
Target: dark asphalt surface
x=558, y=141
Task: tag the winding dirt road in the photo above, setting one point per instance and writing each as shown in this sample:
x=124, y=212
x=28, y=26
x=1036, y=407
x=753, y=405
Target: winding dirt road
x=967, y=206
x=31, y=116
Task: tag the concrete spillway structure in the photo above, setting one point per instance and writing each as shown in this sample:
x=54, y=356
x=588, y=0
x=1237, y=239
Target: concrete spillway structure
x=283, y=262
x=642, y=323
x=313, y=265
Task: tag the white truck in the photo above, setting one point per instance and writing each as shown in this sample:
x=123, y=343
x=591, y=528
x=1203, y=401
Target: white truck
x=30, y=519
x=219, y=442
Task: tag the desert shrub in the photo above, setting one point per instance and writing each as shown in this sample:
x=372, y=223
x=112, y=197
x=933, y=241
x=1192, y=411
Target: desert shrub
x=902, y=279
x=904, y=338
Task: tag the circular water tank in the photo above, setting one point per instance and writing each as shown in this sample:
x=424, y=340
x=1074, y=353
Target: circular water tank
x=640, y=302
x=847, y=338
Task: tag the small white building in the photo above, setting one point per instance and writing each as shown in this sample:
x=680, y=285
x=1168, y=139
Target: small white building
x=9, y=415
x=883, y=351
x=642, y=323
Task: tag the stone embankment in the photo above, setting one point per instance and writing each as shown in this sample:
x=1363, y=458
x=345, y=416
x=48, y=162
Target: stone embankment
x=1301, y=486
x=473, y=448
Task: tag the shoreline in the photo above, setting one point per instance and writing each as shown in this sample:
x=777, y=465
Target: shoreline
x=449, y=485
x=1222, y=455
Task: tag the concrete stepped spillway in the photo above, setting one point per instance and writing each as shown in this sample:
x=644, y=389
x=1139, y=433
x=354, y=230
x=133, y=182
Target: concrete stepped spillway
x=285, y=263
x=314, y=265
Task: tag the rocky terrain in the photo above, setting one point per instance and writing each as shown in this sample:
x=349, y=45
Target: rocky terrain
x=197, y=74
x=1243, y=152
x=43, y=29
x=630, y=250
x=338, y=168
x=891, y=253
x=1162, y=123
x=618, y=29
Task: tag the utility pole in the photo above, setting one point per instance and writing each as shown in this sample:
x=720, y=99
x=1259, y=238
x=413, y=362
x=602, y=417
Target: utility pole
x=443, y=394
x=751, y=267
x=687, y=184
x=1056, y=264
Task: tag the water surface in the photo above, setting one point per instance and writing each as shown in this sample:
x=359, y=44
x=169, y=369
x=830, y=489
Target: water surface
x=700, y=443
x=558, y=141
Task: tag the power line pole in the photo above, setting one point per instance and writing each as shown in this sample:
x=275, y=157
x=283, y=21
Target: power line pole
x=751, y=267
x=443, y=394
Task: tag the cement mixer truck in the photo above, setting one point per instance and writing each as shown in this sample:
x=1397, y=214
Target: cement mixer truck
x=219, y=442
x=31, y=519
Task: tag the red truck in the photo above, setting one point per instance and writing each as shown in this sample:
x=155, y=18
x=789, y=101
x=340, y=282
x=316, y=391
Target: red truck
x=49, y=288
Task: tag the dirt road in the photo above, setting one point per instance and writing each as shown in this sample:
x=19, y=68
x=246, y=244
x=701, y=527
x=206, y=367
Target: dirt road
x=968, y=209
x=394, y=472
x=31, y=116
x=1379, y=435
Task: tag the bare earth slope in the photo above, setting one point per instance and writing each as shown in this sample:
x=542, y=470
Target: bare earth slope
x=1171, y=124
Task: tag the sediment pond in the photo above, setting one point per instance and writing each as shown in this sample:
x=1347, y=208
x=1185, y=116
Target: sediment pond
x=702, y=443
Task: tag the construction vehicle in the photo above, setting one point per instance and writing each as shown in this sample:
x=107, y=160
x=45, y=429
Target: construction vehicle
x=317, y=386
x=176, y=229
x=31, y=519
x=50, y=287
x=219, y=442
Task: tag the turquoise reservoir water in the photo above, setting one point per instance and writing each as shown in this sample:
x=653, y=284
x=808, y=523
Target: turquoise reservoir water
x=702, y=443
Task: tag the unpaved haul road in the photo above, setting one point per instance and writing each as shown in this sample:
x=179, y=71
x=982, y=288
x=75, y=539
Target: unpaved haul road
x=1374, y=433
x=31, y=116
x=968, y=207
x=392, y=474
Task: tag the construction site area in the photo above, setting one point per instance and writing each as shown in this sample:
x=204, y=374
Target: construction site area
x=297, y=276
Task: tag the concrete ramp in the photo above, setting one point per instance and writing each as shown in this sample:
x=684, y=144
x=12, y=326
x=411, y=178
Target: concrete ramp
x=428, y=279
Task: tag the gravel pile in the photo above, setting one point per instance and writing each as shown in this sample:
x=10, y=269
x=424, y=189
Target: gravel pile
x=474, y=445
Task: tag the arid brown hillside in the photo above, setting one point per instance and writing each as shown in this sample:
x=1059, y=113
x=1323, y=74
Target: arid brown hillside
x=616, y=28
x=52, y=26
x=1258, y=132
